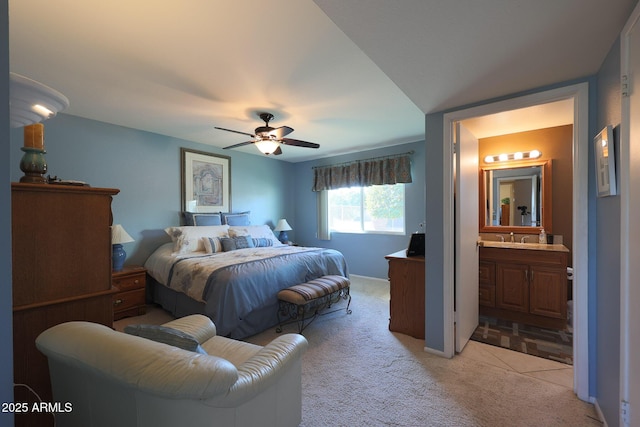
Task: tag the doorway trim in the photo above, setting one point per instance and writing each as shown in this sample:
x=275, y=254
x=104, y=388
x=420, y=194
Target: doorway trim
x=580, y=95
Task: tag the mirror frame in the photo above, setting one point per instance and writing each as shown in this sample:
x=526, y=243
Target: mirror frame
x=545, y=208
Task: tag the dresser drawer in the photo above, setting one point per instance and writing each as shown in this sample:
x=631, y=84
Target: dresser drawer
x=130, y=282
x=128, y=299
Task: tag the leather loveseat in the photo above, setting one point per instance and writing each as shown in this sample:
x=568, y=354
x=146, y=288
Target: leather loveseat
x=117, y=379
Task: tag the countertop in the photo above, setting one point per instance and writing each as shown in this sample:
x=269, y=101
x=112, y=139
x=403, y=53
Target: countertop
x=529, y=246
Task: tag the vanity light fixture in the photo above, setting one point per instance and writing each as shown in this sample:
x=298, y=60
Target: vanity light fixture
x=520, y=155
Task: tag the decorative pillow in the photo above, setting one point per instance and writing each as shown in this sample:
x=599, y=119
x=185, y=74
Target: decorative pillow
x=200, y=219
x=233, y=243
x=255, y=231
x=212, y=245
x=239, y=219
x=166, y=335
x=207, y=219
x=262, y=242
x=224, y=216
x=189, y=238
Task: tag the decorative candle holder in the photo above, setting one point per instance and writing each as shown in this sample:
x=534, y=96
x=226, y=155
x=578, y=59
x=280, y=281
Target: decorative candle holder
x=34, y=165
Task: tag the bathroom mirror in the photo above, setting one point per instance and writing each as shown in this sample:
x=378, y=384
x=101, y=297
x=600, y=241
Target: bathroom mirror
x=515, y=198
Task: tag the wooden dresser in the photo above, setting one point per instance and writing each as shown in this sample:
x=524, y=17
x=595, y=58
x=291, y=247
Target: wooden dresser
x=61, y=248
x=407, y=282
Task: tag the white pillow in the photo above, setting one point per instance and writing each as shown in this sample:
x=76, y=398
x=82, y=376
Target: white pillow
x=255, y=231
x=189, y=238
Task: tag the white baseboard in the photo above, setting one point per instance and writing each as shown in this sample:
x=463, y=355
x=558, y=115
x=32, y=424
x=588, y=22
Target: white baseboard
x=375, y=279
x=437, y=352
x=599, y=412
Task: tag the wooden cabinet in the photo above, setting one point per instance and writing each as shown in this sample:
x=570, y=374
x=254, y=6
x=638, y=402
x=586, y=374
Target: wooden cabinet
x=130, y=287
x=530, y=286
x=407, y=282
x=61, y=255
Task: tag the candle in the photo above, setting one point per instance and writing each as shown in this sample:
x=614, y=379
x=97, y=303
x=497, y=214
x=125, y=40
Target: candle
x=34, y=136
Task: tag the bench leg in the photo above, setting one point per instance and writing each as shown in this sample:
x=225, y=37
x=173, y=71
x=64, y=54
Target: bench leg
x=297, y=313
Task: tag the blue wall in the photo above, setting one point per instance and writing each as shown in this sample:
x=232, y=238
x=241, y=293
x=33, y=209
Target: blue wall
x=364, y=252
x=6, y=313
x=607, y=314
x=146, y=168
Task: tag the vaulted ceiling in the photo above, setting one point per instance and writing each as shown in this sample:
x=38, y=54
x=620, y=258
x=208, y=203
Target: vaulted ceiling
x=349, y=75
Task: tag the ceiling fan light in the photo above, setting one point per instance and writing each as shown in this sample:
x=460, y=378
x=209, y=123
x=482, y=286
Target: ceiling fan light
x=267, y=146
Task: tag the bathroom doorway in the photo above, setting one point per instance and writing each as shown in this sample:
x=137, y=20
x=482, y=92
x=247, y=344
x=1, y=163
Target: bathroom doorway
x=578, y=97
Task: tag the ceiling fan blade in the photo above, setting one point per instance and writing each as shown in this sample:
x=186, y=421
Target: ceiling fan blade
x=298, y=143
x=281, y=131
x=278, y=151
x=239, y=145
x=236, y=131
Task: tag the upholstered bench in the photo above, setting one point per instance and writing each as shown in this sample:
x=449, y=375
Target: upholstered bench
x=304, y=302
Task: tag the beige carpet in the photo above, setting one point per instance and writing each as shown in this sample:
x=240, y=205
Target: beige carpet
x=357, y=373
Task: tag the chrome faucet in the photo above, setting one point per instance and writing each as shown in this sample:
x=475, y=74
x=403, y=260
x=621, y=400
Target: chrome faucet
x=524, y=239
x=512, y=239
x=501, y=237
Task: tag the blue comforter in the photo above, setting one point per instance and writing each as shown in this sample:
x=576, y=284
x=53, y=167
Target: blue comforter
x=239, y=288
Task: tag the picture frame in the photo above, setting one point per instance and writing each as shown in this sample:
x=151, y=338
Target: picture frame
x=605, y=162
x=206, y=181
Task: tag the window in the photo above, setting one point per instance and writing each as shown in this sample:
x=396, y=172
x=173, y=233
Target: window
x=377, y=208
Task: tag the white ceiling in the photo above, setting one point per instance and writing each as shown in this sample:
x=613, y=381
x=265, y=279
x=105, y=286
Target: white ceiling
x=349, y=75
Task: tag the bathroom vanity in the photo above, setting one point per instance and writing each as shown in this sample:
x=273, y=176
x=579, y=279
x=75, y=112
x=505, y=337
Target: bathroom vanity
x=524, y=282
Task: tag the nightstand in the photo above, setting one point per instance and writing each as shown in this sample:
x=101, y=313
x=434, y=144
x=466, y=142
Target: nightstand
x=130, y=297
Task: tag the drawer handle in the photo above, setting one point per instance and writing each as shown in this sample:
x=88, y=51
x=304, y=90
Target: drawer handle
x=118, y=302
x=136, y=281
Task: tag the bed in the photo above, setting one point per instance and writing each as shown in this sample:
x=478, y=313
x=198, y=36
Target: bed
x=233, y=274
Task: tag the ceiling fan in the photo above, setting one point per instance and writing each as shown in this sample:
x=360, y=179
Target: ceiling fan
x=268, y=139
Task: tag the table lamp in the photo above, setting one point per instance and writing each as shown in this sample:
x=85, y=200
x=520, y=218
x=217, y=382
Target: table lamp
x=118, y=237
x=283, y=226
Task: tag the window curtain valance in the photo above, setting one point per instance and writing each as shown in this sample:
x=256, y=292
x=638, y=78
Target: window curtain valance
x=394, y=169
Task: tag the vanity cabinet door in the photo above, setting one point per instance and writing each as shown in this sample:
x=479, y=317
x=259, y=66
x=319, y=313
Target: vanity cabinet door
x=548, y=294
x=512, y=287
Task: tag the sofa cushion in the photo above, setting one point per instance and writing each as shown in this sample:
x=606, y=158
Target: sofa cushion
x=236, y=352
x=167, y=336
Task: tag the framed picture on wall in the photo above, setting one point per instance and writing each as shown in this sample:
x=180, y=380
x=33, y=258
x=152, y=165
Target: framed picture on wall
x=605, y=163
x=206, y=181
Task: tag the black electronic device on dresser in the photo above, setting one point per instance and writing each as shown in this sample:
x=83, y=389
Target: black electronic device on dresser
x=416, y=245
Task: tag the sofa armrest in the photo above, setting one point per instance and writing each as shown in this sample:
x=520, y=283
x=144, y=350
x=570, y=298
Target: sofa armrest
x=96, y=353
x=198, y=326
x=264, y=368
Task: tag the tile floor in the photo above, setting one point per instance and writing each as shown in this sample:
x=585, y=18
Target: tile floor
x=525, y=364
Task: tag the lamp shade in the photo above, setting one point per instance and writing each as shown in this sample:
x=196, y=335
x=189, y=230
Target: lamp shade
x=283, y=225
x=119, y=235
x=32, y=102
